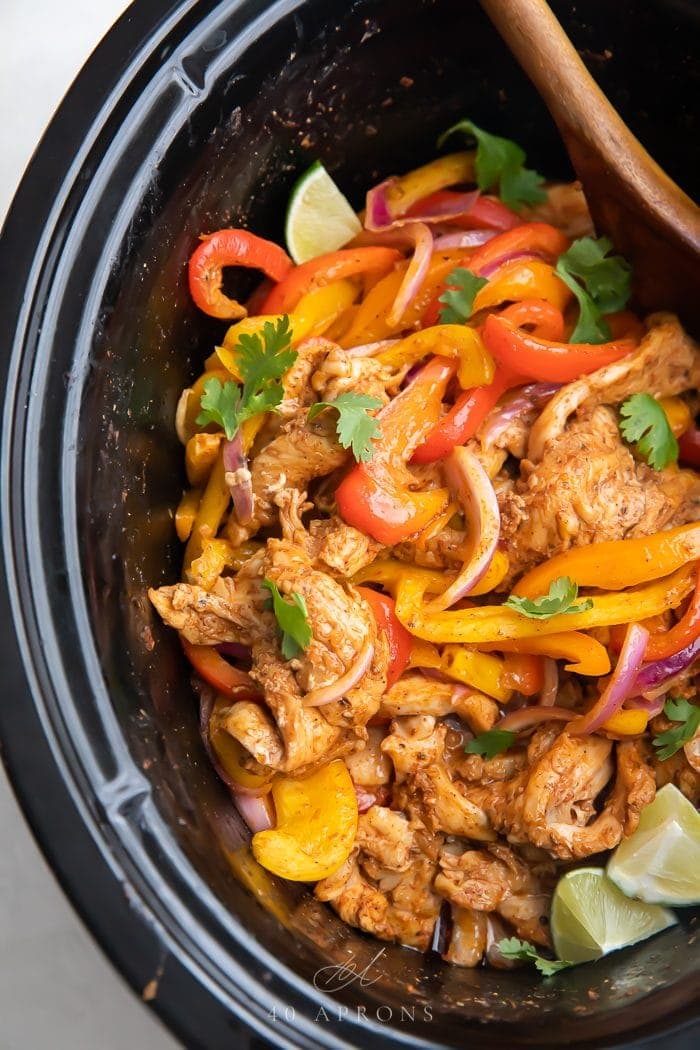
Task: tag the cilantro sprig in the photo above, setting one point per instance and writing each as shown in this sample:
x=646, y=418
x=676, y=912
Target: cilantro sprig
x=491, y=743
x=644, y=422
x=688, y=716
x=560, y=599
x=523, y=951
x=462, y=288
x=601, y=282
x=500, y=165
x=355, y=427
x=292, y=620
x=262, y=360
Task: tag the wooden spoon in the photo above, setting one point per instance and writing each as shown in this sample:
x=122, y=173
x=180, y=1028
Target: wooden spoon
x=649, y=219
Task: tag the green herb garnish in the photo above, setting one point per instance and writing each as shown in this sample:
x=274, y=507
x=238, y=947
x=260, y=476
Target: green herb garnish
x=646, y=424
x=560, y=599
x=291, y=619
x=491, y=743
x=601, y=283
x=688, y=715
x=523, y=951
x=462, y=287
x=500, y=165
x=355, y=427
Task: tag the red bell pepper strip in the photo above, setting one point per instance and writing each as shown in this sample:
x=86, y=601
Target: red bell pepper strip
x=689, y=447
x=217, y=672
x=397, y=636
x=231, y=248
x=348, y=262
x=465, y=417
x=486, y=213
x=376, y=497
x=544, y=360
x=546, y=320
x=667, y=643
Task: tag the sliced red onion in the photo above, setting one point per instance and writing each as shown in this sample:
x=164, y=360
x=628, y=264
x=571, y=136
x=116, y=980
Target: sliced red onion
x=234, y=649
x=326, y=694
x=652, y=707
x=657, y=673
x=238, y=478
x=472, y=485
x=377, y=211
x=371, y=349
x=379, y=215
x=622, y=684
x=550, y=683
x=516, y=405
x=462, y=238
x=527, y=717
x=489, y=268
x=256, y=810
x=420, y=236
x=377, y=795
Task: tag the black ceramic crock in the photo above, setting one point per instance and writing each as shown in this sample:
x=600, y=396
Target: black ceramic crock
x=191, y=116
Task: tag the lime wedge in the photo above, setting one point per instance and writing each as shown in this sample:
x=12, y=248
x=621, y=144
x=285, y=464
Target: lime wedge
x=660, y=863
x=319, y=217
x=591, y=917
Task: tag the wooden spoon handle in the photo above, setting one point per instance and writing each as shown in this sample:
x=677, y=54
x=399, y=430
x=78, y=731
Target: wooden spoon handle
x=630, y=197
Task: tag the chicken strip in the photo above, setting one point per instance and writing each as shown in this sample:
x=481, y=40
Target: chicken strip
x=424, y=788
x=667, y=362
x=340, y=373
x=496, y=879
x=329, y=543
x=414, y=694
x=588, y=488
x=232, y=611
x=385, y=886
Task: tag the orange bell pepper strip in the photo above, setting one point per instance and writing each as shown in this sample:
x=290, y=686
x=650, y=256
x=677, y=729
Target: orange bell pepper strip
x=376, y=496
x=348, y=262
x=626, y=723
x=231, y=248
x=523, y=279
x=212, y=507
x=615, y=564
x=484, y=624
x=666, y=643
x=677, y=413
x=544, y=360
x=397, y=636
x=486, y=213
x=545, y=320
x=523, y=672
x=186, y=513
x=586, y=655
x=463, y=420
x=219, y=673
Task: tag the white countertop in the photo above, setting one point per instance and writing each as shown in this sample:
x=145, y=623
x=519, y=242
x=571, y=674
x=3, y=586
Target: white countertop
x=57, y=990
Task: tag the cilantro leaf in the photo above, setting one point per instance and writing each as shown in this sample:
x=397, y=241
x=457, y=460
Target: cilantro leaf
x=355, y=427
x=220, y=404
x=645, y=423
x=601, y=283
x=262, y=360
x=291, y=619
x=499, y=163
x=688, y=715
x=460, y=295
x=523, y=951
x=560, y=599
x=491, y=743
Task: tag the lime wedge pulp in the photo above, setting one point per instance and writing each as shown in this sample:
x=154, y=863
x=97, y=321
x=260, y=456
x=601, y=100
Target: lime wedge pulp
x=592, y=917
x=319, y=218
x=660, y=862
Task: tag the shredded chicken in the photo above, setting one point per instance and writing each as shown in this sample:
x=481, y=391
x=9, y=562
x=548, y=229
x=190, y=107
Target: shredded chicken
x=414, y=694
x=232, y=611
x=341, y=373
x=587, y=488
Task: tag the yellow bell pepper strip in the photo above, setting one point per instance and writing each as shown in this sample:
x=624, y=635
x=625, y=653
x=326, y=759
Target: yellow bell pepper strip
x=325, y=269
x=479, y=670
x=186, y=513
x=586, y=655
x=476, y=367
x=523, y=279
x=376, y=496
x=316, y=825
x=406, y=190
x=217, y=555
x=423, y=654
x=200, y=455
x=615, y=564
x=212, y=507
x=677, y=413
x=231, y=754
x=493, y=623
x=626, y=723
x=389, y=572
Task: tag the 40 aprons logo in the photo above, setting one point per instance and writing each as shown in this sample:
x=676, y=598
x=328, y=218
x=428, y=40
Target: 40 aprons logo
x=336, y=977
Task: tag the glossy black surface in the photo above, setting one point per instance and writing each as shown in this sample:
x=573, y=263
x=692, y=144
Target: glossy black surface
x=190, y=117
